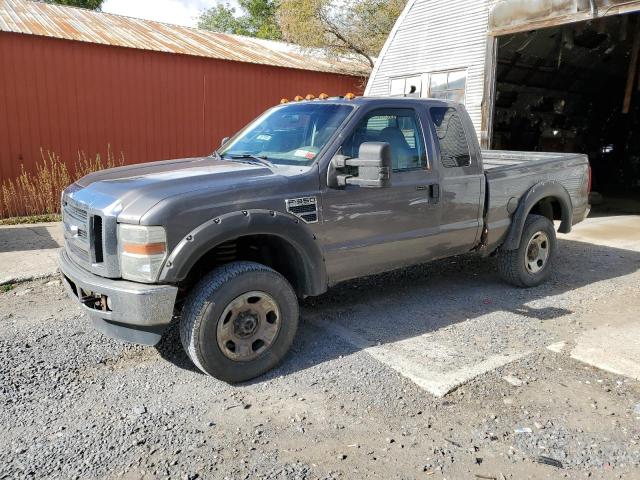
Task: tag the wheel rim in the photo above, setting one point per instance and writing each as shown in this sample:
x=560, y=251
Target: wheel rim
x=538, y=251
x=248, y=326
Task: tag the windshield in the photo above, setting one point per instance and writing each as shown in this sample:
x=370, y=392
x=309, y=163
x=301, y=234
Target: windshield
x=291, y=134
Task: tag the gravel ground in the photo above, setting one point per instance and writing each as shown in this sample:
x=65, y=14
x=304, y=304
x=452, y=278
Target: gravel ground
x=75, y=404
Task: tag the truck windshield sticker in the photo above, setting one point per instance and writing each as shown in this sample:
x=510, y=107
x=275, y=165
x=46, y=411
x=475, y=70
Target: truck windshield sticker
x=263, y=137
x=305, y=153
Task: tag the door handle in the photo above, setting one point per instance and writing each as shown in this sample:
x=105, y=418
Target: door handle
x=432, y=190
x=434, y=193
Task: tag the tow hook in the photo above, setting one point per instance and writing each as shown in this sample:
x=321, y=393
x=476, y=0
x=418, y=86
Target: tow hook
x=95, y=302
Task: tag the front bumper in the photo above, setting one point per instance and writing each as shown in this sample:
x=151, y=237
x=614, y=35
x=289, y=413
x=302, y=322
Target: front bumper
x=130, y=311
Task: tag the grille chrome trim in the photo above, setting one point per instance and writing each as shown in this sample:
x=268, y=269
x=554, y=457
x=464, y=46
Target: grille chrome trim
x=76, y=213
x=76, y=231
x=76, y=251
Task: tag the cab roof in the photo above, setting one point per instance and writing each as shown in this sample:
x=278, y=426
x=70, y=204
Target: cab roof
x=381, y=100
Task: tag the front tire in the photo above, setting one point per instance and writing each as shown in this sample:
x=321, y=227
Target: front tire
x=239, y=321
x=531, y=264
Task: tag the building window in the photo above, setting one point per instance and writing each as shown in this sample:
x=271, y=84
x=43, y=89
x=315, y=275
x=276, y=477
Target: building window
x=406, y=86
x=449, y=85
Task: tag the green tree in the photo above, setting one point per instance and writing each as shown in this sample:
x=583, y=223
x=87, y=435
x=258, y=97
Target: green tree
x=223, y=18
x=341, y=27
x=256, y=18
x=90, y=4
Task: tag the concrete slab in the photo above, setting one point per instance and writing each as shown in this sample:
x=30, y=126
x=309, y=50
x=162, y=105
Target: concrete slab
x=29, y=251
x=557, y=347
x=611, y=341
x=611, y=344
x=619, y=232
x=614, y=349
x=436, y=362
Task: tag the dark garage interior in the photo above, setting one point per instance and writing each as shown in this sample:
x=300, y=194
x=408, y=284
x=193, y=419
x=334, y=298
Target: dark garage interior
x=576, y=88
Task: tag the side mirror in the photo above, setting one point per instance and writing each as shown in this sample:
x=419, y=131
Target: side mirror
x=373, y=165
x=224, y=141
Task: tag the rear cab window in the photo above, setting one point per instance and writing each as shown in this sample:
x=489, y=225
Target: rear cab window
x=451, y=136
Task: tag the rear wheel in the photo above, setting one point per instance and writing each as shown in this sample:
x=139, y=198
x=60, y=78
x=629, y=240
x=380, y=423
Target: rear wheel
x=239, y=321
x=531, y=264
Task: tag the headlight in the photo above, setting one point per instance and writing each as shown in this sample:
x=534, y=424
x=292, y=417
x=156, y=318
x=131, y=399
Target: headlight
x=142, y=251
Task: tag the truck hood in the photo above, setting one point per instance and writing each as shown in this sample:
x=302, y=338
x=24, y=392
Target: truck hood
x=133, y=190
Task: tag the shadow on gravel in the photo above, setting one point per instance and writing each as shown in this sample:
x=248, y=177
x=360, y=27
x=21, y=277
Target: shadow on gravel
x=418, y=300
x=170, y=348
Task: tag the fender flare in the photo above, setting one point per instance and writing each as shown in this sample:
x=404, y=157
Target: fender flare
x=244, y=223
x=540, y=191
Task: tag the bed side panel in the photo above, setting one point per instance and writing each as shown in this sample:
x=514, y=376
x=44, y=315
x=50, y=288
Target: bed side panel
x=508, y=182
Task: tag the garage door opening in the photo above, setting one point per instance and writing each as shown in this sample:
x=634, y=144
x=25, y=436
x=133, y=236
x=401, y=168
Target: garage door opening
x=576, y=88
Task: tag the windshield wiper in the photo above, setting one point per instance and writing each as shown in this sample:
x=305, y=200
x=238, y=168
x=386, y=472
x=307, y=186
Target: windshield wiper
x=262, y=160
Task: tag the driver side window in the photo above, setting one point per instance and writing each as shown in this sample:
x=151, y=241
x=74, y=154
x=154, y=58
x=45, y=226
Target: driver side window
x=400, y=128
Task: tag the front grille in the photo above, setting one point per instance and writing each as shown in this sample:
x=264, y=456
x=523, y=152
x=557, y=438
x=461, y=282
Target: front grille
x=90, y=231
x=75, y=212
x=83, y=233
x=76, y=231
x=77, y=251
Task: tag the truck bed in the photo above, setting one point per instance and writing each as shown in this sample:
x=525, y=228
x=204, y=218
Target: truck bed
x=511, y=174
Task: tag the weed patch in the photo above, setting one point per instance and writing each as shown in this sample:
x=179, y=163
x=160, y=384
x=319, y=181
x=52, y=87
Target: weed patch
x=37, y=193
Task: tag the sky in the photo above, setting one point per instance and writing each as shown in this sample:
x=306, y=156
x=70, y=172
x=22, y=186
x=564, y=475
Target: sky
x=179, y=12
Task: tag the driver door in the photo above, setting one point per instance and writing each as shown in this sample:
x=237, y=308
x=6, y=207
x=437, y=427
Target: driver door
x=372, y=230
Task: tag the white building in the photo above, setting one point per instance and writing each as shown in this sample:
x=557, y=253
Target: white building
x=436, y=49
x=557, y=75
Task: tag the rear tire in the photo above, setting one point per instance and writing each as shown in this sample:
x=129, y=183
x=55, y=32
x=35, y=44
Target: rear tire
x=531, y=264
x=239, y=321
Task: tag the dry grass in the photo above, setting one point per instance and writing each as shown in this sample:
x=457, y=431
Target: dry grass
x=38, y=193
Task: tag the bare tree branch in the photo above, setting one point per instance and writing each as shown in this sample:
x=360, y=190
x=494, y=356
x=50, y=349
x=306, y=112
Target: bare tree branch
x=341, y=27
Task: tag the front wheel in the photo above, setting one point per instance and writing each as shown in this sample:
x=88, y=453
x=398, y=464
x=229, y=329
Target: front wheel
x=239, y=321
x=531, y=264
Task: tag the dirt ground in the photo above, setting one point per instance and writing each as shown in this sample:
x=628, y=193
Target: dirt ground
x=360, y=394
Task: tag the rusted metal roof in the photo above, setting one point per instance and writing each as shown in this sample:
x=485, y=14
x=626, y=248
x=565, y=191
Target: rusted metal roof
x=49, y=20
x=510, y=16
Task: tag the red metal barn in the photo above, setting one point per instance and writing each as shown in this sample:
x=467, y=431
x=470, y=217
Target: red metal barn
x=76, y=80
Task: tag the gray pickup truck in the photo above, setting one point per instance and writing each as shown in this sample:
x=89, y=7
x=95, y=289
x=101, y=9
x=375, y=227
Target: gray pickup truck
x=308, y=195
